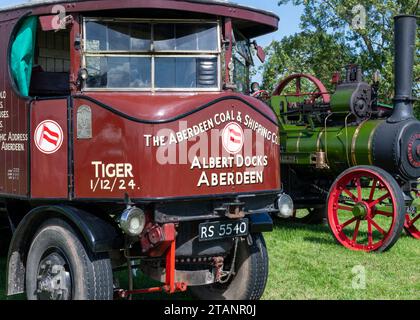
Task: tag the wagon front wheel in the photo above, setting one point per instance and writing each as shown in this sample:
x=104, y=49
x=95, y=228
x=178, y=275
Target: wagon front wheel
x=366, y=209
x=59, y=267
x=250, y=278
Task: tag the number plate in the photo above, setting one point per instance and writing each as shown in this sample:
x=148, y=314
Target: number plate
x=222, y=229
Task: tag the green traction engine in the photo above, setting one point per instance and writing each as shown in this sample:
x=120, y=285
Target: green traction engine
x=350, y=159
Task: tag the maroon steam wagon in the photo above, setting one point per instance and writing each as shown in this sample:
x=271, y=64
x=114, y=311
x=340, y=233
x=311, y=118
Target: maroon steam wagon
x=128, y=139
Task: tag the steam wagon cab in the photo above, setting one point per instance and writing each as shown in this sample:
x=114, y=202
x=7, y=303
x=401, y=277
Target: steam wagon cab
x=128, y=137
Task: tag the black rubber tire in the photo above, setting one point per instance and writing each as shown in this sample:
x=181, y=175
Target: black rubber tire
x=251, y=275
x=91, y=274
x=400, y=204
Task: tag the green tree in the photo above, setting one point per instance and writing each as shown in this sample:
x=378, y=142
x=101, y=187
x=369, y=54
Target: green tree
x=309, y=52
x=365, y=28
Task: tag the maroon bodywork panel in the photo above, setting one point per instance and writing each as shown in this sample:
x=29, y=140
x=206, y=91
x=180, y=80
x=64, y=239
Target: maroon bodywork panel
x=14, y=133
x=167, y=170
x=49, y=177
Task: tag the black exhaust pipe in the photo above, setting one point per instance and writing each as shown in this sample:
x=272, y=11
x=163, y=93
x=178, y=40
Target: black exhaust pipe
x=405, y=45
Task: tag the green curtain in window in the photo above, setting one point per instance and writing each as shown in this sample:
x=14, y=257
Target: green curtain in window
x=22, y=55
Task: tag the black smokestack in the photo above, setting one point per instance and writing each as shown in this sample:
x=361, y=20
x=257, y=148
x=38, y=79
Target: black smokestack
x=405, y=45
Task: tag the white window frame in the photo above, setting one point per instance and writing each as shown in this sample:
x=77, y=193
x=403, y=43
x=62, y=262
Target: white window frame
x=153, y=54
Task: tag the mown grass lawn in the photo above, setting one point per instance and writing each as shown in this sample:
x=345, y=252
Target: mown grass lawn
x=306, y=263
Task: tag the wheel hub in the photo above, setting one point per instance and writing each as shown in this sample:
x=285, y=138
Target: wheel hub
x=53, y=280
x=360, y=210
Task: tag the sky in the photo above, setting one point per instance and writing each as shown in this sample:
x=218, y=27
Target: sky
x=289, y=19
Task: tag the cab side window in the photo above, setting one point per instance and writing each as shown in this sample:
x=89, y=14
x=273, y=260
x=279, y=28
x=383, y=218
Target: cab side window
x=242, y=59
x=51, y=69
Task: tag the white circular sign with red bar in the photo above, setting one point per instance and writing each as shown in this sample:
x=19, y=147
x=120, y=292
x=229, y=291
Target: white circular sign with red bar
x=233, y=137
x=48, y=136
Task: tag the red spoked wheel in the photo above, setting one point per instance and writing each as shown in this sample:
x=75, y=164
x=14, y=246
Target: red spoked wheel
x=262, y=95
x=412, y=219
x=319, y=92
x=412, y=225
x=366, y=209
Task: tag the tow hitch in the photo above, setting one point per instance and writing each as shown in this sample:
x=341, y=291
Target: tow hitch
x=170, y=285
x=232, y=210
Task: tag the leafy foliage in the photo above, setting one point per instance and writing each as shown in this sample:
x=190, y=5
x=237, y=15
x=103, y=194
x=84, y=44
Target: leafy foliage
x=310, y=52
x=338, y=32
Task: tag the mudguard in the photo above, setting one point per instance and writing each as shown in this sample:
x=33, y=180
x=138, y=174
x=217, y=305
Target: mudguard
x=98, y=234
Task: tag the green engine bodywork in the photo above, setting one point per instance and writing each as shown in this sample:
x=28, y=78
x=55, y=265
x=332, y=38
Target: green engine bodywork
x=343, y=145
